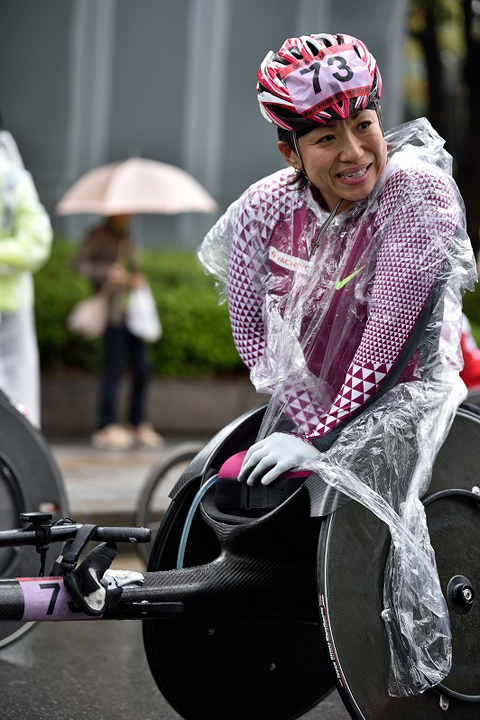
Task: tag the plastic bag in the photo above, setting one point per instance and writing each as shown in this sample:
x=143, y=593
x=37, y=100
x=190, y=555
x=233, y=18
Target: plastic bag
x=141, y=316
x=359, y=345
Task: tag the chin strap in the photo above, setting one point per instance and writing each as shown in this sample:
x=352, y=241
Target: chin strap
x=379, y=116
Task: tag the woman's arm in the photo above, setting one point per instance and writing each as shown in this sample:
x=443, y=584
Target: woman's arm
x=246, y=288
x=412, y=258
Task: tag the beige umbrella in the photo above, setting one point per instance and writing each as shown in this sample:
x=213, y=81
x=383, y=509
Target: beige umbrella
x=136, y=186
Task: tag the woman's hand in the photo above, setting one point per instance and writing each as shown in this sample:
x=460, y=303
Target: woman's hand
x=137, y=280
x=268, y=459
x=117, y=275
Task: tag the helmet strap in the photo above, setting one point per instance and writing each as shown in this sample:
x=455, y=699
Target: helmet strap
x=325, y=225
x=377, y=110
x=293, y=138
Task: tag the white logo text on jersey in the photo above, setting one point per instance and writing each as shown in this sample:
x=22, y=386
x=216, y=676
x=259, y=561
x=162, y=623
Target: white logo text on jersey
x=290, y=262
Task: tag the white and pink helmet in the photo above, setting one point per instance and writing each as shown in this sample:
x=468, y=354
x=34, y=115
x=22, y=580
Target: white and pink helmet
x=316, y=78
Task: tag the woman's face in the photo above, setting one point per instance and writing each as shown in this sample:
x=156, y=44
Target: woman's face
x=343, y=158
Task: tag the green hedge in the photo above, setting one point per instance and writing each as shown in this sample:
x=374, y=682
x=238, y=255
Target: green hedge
x=197, y=339
x=471, y=307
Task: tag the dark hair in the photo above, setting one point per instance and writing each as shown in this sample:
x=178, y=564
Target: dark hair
x=299, y=180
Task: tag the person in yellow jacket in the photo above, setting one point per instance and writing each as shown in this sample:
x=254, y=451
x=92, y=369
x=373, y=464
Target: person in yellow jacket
x=25, y=245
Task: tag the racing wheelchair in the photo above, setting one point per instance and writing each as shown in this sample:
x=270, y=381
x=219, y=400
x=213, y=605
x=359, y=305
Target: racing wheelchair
x=270, y=609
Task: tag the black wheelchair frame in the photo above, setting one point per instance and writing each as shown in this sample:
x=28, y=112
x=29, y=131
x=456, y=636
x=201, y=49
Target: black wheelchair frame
x=272, y=610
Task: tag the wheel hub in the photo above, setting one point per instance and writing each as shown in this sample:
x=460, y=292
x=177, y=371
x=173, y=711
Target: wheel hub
x=460, y=594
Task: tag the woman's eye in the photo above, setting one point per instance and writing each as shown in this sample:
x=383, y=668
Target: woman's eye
x=326, y=138
x=365, y=125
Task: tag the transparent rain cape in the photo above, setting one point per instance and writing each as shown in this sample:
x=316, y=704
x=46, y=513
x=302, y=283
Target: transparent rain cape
x=389, y=272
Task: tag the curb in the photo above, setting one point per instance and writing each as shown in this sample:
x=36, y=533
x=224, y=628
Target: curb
x=182, y=407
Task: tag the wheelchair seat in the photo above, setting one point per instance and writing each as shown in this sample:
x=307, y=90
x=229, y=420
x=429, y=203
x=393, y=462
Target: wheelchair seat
x=242, y=500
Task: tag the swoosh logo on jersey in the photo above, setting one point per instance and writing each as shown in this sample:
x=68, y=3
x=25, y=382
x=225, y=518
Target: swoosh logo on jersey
x=340, y=283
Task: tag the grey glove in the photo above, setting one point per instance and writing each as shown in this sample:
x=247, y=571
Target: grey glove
x=268, y=459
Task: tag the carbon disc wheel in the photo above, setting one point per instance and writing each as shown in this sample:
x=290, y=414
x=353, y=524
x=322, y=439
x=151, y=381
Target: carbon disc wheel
x=352, y=551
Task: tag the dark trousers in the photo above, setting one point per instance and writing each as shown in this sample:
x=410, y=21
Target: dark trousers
x=123, y=349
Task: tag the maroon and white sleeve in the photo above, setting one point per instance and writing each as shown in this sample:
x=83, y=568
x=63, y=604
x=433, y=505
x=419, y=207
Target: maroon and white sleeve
x=410, y=261
x=246, y=288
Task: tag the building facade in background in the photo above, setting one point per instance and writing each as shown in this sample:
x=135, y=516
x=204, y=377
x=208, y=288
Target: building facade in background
x=87, y=82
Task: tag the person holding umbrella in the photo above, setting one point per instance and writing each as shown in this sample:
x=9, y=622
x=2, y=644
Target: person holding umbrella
x=118, y=191
x=107, y=257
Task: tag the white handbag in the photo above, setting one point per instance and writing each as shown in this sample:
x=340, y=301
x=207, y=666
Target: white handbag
x=142, y=316
x=89, y=317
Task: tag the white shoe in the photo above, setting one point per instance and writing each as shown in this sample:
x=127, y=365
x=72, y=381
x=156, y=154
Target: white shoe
x=147, y=437
x=113, y=437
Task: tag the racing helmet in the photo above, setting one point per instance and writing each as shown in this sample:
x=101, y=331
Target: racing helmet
x=316, y=78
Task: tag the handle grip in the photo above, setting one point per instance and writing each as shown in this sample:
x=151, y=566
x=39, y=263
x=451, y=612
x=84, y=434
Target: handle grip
x=59, y=533
x=123, y=534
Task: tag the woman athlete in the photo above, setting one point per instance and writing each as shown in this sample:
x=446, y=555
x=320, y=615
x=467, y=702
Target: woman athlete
x=344, y=275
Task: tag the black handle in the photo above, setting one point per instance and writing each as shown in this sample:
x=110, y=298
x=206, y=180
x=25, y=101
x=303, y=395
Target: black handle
x=13, y=538
x=123, y=534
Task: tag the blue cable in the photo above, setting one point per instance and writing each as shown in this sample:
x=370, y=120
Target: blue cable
x=188, y=522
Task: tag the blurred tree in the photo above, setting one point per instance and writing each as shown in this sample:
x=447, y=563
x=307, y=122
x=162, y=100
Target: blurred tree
x=446, y=34
x=426, y=16
x=471, y=160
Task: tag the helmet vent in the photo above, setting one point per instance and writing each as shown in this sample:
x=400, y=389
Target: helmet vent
x=313, y=48
x=280, y=60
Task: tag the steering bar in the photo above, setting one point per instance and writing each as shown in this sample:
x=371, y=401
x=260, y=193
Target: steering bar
x=28, y=536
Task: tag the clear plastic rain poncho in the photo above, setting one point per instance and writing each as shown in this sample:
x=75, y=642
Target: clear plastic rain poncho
x=357, y=342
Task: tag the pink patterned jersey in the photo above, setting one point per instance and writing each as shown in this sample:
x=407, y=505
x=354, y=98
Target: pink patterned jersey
x=362, y=294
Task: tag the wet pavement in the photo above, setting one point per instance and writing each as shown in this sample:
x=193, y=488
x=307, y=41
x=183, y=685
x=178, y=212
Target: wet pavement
x=69, y=671
x=104, y=486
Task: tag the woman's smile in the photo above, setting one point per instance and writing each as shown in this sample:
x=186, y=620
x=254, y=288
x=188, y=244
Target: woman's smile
x=355, y=176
